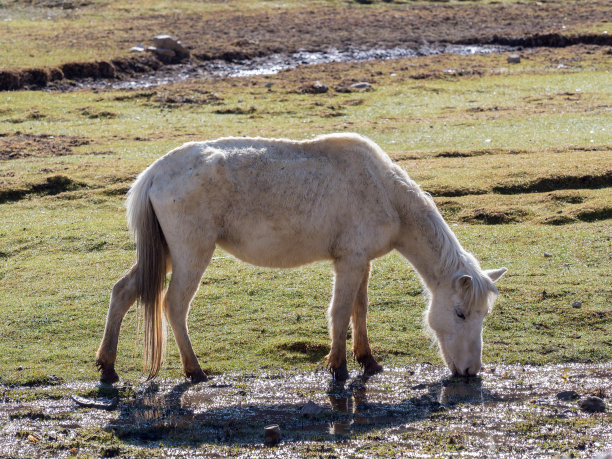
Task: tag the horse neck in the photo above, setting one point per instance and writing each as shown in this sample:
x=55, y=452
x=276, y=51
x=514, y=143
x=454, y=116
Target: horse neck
x=428, y=243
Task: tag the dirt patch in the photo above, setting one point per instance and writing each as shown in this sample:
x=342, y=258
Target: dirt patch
x=186, y=95
x=563, y=182
x=591, y=213
x=51, y=186
x=453, y=192
x=514, y=410
x=569, y=197
x=494, y=216
x=18, y=145
x=60, y=77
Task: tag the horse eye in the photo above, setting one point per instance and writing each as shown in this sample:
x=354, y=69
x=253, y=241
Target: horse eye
x=460, y=314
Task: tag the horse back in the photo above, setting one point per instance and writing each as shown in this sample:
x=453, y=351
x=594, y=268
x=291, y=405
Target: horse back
x=280, y=202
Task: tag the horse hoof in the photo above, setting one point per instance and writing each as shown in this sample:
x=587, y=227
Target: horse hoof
x=371, y=367
x=198, y=377
x=341, y=373
x=109, y=377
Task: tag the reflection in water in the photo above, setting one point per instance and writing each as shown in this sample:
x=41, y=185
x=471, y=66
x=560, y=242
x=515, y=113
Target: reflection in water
x=352, y=405
x=239, y=410
x=461, y=390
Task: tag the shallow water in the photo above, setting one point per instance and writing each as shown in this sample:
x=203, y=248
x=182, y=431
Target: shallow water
x=512, y=410
x=270, y=65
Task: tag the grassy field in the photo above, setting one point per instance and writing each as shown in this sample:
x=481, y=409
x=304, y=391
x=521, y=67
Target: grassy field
x=517, y=158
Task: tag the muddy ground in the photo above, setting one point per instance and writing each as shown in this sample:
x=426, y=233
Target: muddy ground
x=510, y=411
x=233, y=37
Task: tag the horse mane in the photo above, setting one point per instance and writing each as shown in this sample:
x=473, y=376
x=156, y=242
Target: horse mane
x=453, y=259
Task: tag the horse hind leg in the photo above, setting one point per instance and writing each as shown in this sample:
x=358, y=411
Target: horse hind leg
x=186, y=277
x=361, y=346
x=124, y=294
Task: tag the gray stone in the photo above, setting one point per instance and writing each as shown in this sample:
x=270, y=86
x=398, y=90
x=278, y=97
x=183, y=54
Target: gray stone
x=168, y=42
x=577, y=304
x=592, y=404
x=514, y=59
x=362, y=85
x=137, y=49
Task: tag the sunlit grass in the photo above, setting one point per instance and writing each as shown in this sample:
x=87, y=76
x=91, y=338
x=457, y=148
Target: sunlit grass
x=60, y=254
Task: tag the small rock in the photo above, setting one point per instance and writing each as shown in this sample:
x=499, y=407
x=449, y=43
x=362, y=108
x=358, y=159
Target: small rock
x=362, y=85
x=577, y=304
x=592, y=404
x=311, y=409
x=547, y=255
x=168, y=42
x=514, y=59
x=99, y=404
x=19, y=368
x=317, y=87
x=137, y=49
x=272, y=435
x=568, y=395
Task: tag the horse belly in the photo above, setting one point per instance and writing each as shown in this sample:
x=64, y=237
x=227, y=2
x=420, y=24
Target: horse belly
x=265, y=244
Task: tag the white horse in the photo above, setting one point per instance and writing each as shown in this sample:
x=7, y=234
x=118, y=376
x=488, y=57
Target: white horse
x=283, y=203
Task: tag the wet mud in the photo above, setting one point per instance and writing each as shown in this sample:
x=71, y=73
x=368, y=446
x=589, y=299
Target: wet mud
x=511, y=411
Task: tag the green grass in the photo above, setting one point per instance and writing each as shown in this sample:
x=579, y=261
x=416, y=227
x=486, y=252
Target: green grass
x=61, y=253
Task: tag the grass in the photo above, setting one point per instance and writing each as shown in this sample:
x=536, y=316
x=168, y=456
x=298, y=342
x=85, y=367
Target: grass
x=505, y=152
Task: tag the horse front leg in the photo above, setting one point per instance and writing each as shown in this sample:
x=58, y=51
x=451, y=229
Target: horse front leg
x=348, y=276
x=123, y=296
x=361, y=345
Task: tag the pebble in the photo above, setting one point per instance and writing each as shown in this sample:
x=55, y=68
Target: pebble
x=514, y=59
x=137, y=49
x=577, y=304
x=592, y=404
x=362, y=85
x=547, y=255
x=272, y=435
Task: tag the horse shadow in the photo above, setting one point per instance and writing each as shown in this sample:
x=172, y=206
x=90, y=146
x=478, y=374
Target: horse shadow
x=180, y=416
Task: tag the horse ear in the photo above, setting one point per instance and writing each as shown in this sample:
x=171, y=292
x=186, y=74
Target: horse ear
x=465, y=282
x=495, y=274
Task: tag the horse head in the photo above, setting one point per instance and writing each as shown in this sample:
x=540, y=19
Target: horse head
x=456, y=314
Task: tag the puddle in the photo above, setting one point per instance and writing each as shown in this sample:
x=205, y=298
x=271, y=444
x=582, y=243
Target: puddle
x=272, y=64
x=418, y=406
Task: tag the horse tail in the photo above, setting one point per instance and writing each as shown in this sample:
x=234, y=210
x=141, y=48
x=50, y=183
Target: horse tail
x=151, y=262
